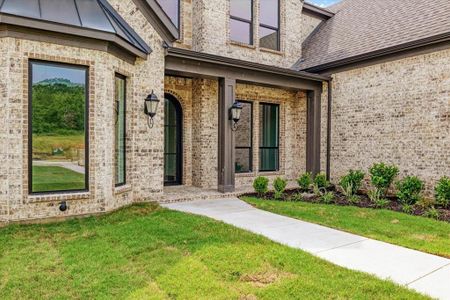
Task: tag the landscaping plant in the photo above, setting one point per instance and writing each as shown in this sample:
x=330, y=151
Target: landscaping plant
x=352, y=182
x=279, y=185
x=442, y=191
x=377, y=199
x=305, y=181
x=327, y=198
x=382, y=176
x=261, y=185
x=409, y=190
x=431, y=213
x=321, y=181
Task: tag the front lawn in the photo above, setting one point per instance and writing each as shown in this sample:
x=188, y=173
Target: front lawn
x=145, y=252
x=389, y=226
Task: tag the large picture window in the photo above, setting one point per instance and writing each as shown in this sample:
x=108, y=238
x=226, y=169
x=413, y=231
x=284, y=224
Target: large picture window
x=120, y=133
x=269, y=24
x=172, y=10
x=58, y=127
x=243, y=138
x=241, y=21
x=269, y=118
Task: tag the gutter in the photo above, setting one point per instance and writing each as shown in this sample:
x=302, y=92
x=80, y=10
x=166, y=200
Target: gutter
x=231, y=62
x=445, y=37
x=317, y=11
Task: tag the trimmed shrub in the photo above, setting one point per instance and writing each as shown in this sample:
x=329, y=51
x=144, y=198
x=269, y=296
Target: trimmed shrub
x=442, y=192
x=261, y=185
x=352, y=182
x=279, y=185
x=305, y=181
x=382, y=176
x=409, y=190
x=320, y=181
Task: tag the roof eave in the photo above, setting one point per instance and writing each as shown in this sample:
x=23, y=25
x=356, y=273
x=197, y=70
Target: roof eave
x=317, y=11
x=445, y=37
x=231, y=62
x=72, y=30
x=159, y=20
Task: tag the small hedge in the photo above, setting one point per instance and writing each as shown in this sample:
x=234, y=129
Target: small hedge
x=305, y=181
x=279, y=185
x=442, y=192
x=409, y=190
x=261, y=185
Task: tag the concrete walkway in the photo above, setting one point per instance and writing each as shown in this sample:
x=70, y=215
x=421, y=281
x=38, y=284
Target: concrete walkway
x=423, y=272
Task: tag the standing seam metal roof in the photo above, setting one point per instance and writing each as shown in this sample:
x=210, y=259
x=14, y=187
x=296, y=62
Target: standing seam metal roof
x=96, y=15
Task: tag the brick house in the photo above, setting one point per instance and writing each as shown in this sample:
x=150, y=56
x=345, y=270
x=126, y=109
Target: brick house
x=75, y=75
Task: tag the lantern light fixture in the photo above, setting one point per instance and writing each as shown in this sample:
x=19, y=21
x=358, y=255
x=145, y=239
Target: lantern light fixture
x=235, y=114
x=151, y=107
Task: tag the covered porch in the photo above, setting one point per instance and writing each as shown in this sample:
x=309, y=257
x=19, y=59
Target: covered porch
x=279, y=133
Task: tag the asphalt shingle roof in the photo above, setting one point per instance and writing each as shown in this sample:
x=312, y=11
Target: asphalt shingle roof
x=363, y=26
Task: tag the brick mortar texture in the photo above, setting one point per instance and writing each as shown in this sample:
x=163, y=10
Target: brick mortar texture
x=145, y=146
x=397, y=112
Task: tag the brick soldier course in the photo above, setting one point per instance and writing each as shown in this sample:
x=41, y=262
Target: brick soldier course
x=392, y=108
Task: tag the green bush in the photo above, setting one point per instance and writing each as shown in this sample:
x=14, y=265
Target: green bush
x=432, y=213
x=305, y=181
x=261, y=185
x=382, y=176
x=279, y=185
x=327, y=198
x=320, y=181
x=409, y=190
x=442, y=191
x=352, y=182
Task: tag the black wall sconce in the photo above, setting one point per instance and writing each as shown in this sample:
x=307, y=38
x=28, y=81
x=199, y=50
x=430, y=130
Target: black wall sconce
x=235, y=114
x=151, y=107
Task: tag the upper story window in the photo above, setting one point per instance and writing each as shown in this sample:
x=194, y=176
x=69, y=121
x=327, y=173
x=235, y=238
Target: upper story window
x=269, y=24
x=241, y=21
x=172, y=10
x=58, y=127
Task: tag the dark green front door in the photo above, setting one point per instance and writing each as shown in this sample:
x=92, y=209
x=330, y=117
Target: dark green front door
x=172, y=141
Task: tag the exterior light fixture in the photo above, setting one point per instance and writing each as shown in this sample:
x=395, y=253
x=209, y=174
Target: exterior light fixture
x=235, y=114
x=151, y=107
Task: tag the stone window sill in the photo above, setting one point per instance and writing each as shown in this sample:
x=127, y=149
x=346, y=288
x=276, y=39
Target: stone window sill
x=250, y=174
x=242, y=45
x=58, y=197
x=122, y=189
x=276, y=52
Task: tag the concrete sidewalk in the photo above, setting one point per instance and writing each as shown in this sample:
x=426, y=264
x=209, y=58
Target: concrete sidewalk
x=428, y=274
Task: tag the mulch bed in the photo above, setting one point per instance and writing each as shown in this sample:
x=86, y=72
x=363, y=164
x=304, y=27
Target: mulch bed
x=364, y=202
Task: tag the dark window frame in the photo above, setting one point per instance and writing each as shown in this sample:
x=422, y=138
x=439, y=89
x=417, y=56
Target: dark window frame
x=250, y=149
x=250, y=22
x=180, y=153
x=30, y=125
x=178, y=26
x=277, y=169
x=124, y=78
x=277, y=29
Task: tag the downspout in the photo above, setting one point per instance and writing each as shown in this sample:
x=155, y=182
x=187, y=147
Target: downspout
x=330, y=101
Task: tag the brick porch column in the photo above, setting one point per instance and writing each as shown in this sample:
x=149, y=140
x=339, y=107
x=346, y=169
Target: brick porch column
x=313, y=131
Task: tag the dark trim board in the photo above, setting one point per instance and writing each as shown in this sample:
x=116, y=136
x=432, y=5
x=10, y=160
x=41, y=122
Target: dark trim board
x=316, y=11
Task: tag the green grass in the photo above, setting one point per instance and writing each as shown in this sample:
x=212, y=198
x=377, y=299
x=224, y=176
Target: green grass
x=413, y=232
x=145, y=252
x=46, y=179
x=46, y=143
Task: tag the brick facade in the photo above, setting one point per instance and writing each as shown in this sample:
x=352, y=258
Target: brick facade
x=397, y=112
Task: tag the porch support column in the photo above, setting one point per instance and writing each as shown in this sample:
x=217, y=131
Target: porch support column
x=226, y=184
x=313, y=131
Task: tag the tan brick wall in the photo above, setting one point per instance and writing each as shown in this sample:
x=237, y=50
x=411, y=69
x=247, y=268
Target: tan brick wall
x=292, y=130
x=205, y=130
x=205, y=28
x=145, y=146
x=397, y=112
